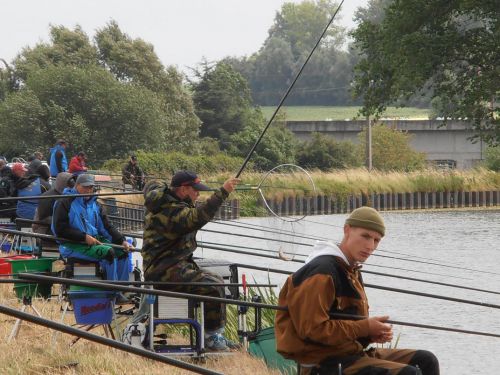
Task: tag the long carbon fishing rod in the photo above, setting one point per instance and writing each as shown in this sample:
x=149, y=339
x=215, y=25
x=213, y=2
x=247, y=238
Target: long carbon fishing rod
x=252, y=150
x=10, y=199
x=51, y=279
x=417, y=325
x=209, y=245
x=60, y=239
x=257, y=227
x=149, y=283
x=267, y=230
x=310, y=245
x=363, y=271
x=105, y=341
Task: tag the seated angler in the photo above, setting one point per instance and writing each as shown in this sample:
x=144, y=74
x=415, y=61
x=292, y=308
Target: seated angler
x=171, y=223
x=81, y=219
x=330, y=283
x=27, y=186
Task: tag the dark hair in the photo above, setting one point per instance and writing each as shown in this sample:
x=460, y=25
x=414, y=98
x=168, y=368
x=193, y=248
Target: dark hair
x=81, y=153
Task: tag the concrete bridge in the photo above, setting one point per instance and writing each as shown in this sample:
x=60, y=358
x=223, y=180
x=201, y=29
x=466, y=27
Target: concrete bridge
x=440, y=143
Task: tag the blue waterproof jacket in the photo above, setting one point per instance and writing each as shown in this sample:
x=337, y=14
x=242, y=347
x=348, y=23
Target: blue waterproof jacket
x=83, y=217
x=26, y=209
x=53, y=162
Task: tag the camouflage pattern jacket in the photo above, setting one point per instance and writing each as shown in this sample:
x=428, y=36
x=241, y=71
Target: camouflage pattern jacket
x=170, y=227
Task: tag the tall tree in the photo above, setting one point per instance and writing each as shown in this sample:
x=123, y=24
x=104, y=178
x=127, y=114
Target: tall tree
x=448, y=47
x=223, y=101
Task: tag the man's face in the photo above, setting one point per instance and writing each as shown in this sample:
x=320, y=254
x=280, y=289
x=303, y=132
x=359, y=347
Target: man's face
x=359, y=243
x=189, y=191
x=84, y=190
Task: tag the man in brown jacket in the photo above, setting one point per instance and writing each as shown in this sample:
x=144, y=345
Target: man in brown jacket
x=330, y=283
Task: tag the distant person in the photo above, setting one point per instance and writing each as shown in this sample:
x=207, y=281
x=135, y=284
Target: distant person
x=7, y=189
x=77, y=164
x=36, y=167
x=27, y=186
x=58, y=161
x=43, y=213
x=132, y=174
x=330, y=283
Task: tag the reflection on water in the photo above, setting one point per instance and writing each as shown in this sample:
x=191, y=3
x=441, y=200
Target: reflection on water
x=462, y=244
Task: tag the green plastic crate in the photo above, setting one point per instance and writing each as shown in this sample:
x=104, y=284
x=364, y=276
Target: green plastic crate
x=264, y=347
x=40, y=265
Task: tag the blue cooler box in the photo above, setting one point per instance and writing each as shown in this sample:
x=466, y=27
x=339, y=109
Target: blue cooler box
x=93, y=307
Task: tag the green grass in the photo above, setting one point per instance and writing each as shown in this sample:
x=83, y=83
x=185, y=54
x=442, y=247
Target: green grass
x=321, y=113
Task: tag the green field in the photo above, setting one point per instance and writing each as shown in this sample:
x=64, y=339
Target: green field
x=322, y=113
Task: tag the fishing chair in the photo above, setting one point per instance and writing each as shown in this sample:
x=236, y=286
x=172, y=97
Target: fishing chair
x=86, y=301
x=176, y=311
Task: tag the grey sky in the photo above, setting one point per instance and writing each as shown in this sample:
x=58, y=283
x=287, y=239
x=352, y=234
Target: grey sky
x=182, y=31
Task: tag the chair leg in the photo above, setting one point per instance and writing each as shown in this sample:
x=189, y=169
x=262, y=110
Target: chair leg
x=17, y=325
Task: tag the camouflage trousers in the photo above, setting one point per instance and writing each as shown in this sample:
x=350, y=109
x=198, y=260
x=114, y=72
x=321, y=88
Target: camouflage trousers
x=188, y=271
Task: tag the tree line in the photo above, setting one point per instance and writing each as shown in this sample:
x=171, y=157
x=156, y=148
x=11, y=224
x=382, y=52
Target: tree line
x=111, y=95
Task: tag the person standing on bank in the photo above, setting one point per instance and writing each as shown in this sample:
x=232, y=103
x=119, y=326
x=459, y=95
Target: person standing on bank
x=330, y=282
x=58, y=161
x=132, y=174
x=170, y=227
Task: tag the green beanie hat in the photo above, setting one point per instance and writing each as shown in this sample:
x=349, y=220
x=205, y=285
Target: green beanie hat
x=368, y=218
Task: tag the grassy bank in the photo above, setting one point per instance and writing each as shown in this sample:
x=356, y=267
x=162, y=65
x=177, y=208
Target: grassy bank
x=322, y=113
x=34, y=352
x=359, y=181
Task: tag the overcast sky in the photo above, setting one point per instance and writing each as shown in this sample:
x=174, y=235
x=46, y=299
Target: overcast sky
x=181, y=31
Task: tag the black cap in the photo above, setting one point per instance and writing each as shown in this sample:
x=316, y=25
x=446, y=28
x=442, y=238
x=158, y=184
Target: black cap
x=133, y=157
x=187, y=178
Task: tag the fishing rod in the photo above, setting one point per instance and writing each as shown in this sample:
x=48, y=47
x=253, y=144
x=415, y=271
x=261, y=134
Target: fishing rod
x=252, y=150
x=375, y=255
x=242, y=252
x=105, y=341
x=301, y=235
x=61, y=239
x=207, y=245
x=51, y=279
x=61, y=196
x=149, y=283
x=310, y=245
x=397, y=290
x=267, y=230
x=417, y=325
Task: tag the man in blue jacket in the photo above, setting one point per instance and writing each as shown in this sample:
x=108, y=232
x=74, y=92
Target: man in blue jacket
x=58, y=162
x=81, y=219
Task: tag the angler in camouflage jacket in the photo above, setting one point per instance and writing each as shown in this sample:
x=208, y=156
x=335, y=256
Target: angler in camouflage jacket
x=171, y=223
